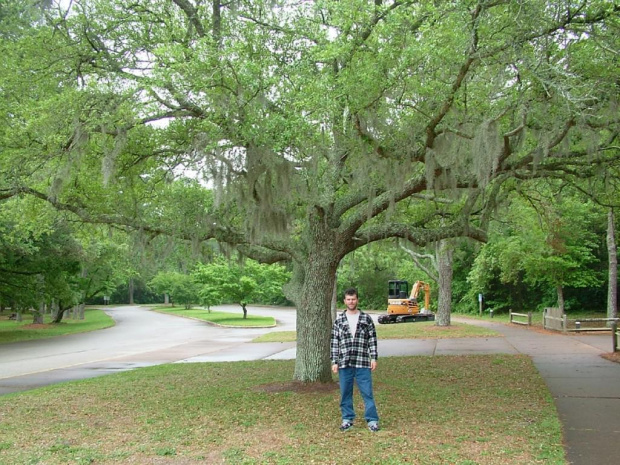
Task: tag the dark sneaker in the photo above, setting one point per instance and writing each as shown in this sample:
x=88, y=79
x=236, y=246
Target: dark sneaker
x=373, y=426
x=346, y=425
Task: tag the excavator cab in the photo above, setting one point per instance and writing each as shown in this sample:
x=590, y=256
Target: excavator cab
x=398, y=289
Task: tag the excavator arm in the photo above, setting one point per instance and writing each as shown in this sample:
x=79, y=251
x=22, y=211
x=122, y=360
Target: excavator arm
x=415, y=293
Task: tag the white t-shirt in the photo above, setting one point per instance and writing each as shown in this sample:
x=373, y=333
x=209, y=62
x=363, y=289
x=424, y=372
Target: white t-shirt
x=352, y=319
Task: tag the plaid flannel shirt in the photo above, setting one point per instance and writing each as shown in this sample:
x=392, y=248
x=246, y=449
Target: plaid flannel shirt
x=348, y=351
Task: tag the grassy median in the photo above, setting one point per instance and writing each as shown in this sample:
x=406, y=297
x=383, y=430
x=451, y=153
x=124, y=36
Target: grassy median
x=220, y=318
x=434, y=410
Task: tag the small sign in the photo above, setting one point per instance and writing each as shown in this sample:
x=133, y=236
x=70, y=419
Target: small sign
x=479, y=297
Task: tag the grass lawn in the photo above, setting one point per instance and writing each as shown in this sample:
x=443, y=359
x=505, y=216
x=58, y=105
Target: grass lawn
x=420, y=330
x=220, y=318
x=492, y=409
x=14, y=331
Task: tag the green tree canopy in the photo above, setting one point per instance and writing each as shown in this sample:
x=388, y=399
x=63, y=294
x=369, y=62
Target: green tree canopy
x=182, y=288
x=310, y=121
x=246, y=283
x=545, y=241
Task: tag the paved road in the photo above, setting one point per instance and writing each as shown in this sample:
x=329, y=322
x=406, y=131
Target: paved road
x=585, y=387
x=140, y=338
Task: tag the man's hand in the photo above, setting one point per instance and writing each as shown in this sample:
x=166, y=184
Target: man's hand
x=335, y=368
x=373, y=365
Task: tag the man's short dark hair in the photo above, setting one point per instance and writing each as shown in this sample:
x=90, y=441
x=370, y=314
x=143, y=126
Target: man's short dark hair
x=351, y=291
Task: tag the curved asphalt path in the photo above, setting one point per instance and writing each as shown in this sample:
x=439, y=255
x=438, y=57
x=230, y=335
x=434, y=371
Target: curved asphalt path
x=585, y=387
x=141, y=337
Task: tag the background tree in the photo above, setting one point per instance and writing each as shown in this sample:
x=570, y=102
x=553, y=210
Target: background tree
x=545, y=241
x=39, y=262
x=182, y=288
x=242, y=284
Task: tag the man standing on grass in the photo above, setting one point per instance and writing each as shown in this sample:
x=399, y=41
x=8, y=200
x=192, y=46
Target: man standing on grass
x=354, y=357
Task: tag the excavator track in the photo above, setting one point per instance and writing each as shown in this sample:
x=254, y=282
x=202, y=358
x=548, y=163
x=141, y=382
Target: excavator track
x=391, y=319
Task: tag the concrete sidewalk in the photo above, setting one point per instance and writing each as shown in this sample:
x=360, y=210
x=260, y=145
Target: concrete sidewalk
x=585, y=387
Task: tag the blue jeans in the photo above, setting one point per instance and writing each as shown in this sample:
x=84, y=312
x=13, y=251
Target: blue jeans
x=347, y=377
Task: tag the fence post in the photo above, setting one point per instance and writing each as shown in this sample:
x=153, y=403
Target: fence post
x=564, y=323
x=529, y=318
x=614, y=336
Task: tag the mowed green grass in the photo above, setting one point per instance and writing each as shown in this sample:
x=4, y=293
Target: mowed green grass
x=420, y=330
x=491, y=409
x=14, y=331
x=220, y=318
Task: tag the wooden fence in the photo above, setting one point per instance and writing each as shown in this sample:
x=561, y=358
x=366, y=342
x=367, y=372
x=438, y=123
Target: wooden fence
x=527, y=316
x=554, y=319
x=590, y=324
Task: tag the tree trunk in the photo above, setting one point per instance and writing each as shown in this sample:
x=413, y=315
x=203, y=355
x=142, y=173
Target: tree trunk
x=560, y=292
x=81, y=311
x=612, y=251
x=37, y=317
x=131, y=289
x=60, y=313
x=314, y=322
x=311, y=288
x=57, y=312
x=217, y=21
x=334, y=306
x=444, y=267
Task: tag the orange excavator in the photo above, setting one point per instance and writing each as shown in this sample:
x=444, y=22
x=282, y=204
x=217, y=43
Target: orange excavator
x=404, y=307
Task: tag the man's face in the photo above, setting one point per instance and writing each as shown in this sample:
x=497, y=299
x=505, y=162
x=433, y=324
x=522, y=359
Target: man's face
x=350, y=302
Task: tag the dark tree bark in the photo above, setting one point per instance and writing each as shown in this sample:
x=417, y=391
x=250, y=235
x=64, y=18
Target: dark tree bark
x=444, y=264
x=60, y=313
x=612, y=251
x=560, y=293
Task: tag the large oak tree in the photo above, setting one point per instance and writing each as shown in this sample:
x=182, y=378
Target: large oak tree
x=313, y=121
